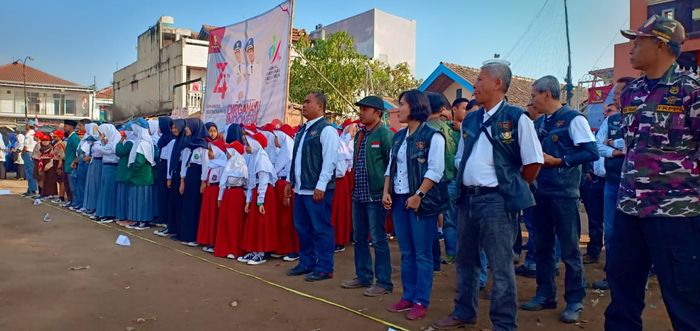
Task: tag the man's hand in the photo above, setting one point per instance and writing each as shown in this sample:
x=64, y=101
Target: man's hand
x=386, y=201
x=551, y=161
x=318, y=195
x=413, y=202
x=170, y=183
x=618, y=153
x=457, y=125
x=74, y=164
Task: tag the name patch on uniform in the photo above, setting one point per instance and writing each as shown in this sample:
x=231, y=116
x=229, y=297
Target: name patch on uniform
x=375, y=144
x=420, y=144
x=560, y=123
x=507, y=125
x=669, y=109
x=313, y=133
x=674, y=90
x=628, y=110
x=672, y=99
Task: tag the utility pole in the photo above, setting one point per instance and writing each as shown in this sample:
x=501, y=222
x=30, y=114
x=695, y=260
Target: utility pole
x=569, y=84
x=24, y=79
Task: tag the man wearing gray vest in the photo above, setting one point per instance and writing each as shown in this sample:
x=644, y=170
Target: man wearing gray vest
x=497, y=157
x=311, y=177
x=568, y=142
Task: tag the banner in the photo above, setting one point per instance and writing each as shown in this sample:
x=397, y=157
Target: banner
x=247, y=69
x=598, y=97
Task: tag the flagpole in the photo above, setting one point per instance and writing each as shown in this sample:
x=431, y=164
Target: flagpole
x=289, y=58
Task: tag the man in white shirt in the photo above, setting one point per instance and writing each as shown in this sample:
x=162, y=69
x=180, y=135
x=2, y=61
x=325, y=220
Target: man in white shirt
x=27, y=150
x=311, y=177
x=497, y=157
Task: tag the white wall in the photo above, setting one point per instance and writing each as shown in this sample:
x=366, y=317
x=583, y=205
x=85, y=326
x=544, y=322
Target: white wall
x=451, y=92
x=394, y=39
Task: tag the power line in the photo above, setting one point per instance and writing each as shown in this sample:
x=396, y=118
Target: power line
x=609, y=44
x=527, y=30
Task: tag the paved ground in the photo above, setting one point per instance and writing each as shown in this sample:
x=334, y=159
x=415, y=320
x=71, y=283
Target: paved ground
x=158, y=284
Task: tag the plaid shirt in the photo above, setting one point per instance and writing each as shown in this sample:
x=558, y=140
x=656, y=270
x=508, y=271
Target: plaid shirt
x=361, y=191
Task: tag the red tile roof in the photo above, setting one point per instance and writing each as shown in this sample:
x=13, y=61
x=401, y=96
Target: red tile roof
x=105, y=93
x=13, y=73
x=518, y=92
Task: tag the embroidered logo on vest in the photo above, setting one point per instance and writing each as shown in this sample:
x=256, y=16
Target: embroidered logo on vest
x=560, y=123
x=674, y=90
x=555, y=138
x=420, y=144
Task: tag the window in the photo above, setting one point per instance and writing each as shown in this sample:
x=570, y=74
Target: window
x=70, y=105
x=134, y=85
x=668, y=13
x=459, y=93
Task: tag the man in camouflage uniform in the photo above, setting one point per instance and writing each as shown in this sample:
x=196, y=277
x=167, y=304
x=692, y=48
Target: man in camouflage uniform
x=658, y=218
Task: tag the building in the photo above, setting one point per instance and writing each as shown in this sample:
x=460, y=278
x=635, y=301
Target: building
x=103, y=103
x=377, y=35
x=685, y=11
x=49, y=98
x=169, y=73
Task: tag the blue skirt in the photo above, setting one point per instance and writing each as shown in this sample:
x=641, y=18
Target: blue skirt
x=161, y=188
x=174, y=203
x=92, y=184
x=79, y=173
x=140, y=205
x=106, y=199
x=122, y=201
x=191, y=204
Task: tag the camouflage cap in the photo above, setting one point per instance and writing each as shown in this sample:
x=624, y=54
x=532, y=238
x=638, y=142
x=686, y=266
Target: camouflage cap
x=665, y=29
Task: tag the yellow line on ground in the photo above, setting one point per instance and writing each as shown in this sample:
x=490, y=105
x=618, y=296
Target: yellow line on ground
x=203, y=259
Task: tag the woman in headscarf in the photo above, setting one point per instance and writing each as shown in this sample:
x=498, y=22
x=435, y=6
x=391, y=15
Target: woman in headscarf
x=46, y=166
x=174, y=203
x=234, y=132
x=164, y=146
x=94, y=173
x=212, y=131
x=342, y=200
x=122, y=199
x=80, y=172
x=192, y=174
x=260, y=233
x=206, y=232
x=140, y=164
x=231, y=202
x=287, y=239
x=154, y=130
x=107, y=146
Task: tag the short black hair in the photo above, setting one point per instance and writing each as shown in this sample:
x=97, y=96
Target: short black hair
x=85, y=121
x=418, y=103
x=625, y=80
x=458, y=101
x=437, y=101
x=320, y=98
x=471, y=104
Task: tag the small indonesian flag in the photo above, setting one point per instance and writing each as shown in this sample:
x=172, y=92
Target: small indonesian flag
x=375, y=144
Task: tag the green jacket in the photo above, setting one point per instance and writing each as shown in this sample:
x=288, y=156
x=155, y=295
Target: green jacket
x=450, y=146
x=376, y=158
x=140, y=172
x=123, y=149
x=71, y=149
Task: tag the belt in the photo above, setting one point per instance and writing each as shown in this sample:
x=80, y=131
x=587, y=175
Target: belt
x=213, y=184
x=283, y=177
x=228, y=187
x=109, y=163
x=478, y=190
x=97, y=158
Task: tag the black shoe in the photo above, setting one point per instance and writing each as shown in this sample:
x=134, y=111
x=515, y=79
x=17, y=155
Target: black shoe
x=525, y=272
x=298, y=271
x=601, y=285
x=539, y=303
x=316, y=276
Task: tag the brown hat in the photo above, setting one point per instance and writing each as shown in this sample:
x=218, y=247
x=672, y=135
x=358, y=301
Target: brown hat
x=665, y=29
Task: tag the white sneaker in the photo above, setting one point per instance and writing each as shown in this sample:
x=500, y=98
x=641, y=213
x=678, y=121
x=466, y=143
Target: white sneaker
x=289, y=258
x=93, y=217
x=105, y=221
x=246, y=258
x=208, y=249
x=257, y=259
x=231, y=256
x=142, y=226
x=191, y=243
x=162, y=232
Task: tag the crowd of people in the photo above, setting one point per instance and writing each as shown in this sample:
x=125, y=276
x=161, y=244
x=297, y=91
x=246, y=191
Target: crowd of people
x=464, y=173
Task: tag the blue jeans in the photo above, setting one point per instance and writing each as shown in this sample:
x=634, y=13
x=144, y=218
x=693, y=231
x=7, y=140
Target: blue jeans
x=368, y=220
x=529, y=219
x=415, y=235
x=672, y=245
x=312, y=221
x=592, y=192
x=485, y=223
x=483, y=273
x=29, y=169
x=558, y=218
x=449, y=220
x=609, y=210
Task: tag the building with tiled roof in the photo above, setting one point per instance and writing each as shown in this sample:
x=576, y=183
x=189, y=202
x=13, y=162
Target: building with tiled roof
x=51, y=99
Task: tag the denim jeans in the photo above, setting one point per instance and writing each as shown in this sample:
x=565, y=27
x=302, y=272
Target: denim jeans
x=29, y=169
x=672, y=245
x=483, y=273
x=312, y=220
x=609, y=211
x=592, y=192
x=558, y=218
x=449, y=220
x=368, y=221
x=415, y=235
x=484, y=223
x=529, y=219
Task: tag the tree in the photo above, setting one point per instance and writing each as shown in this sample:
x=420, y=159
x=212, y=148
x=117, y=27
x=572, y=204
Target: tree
x=335, y=61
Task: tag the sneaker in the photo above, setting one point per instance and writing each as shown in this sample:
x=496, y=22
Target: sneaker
x=126, y=224
x=451, y=322
x=93, y=217
x=142, y=226
x=448, y=259
x=298, y=271
x=106, y=220
x=162, y=233
x=246, y=258
x=417, y=312
x=353, y=283
x=160, y=225
x=539, y=303
x=317, y=276
x=231, y=256
x=375, y=291
x=572, y=313
x=291, y=257
x=257, y=259
x=208, y=249
x=339, y=248
x=190, y=243
x=402, y=305
x=526, y=272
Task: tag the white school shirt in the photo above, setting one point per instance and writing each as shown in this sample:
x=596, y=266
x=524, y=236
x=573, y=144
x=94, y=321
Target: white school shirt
x=480, y=170
x=29, y=142
x=436, y=164
x=329, y=143
x=283, y=164
x=108, y=154
x=199, y=156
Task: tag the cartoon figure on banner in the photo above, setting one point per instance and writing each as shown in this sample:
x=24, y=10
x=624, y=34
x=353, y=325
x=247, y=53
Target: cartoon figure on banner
x=240, y=71
x=254, y=71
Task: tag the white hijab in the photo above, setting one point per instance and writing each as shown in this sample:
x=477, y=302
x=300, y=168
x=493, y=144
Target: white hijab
x=112, y=134
x=259, y=164
x=154, y=130
x=143, y=145
x=90, y=131
x=286, y=147
x=235, y=166
x=219, y=160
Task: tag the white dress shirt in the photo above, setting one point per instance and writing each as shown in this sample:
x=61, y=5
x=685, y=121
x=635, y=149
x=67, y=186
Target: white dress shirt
x=29, y=142
x=329, y=143
x=480, y=169
x=436, y=164
x=579, y=130
x=602, y=136
x=198, y=157
x=108, y=153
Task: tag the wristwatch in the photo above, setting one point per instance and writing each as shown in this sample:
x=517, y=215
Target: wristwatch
x=420, y=194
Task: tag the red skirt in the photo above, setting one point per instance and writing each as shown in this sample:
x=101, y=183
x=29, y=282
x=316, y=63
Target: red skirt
x=287, y=240
x=230, y=223
x=260, y=234
x=206, y=232
x=341, y=214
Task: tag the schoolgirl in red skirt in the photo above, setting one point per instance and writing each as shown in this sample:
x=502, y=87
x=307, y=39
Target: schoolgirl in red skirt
x=260, y=234
x=206, y=232
x=288, y=241
x=231, y=200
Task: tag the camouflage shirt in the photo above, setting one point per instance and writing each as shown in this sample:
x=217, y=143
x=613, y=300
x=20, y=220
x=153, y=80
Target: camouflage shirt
x=661, y=128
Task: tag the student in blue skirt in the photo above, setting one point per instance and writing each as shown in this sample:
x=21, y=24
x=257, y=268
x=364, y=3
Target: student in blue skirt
x=140, y=165
x=194, y=159
x=173, y=150
x=94, y=171
x=165, y=147
x=109, y=138
x=122, y=199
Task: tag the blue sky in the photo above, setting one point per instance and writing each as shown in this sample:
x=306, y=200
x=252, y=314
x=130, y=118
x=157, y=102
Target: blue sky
x=79, y=39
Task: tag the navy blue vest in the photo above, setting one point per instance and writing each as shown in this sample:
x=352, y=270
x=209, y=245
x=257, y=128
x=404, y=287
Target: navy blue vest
x=613, y=166
x=417, y=151
x=506, y=153
x=312, y=157
x=553, y=132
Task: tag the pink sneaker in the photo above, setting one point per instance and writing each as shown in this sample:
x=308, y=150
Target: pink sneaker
x=417, y=312
x=400, y=306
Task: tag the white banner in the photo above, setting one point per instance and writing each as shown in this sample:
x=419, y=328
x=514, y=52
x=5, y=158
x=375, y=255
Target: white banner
x=247, y=69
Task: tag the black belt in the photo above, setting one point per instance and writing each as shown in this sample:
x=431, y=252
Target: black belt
x=97, y=158
x=110, y=163
x=283, y=178
x=228, y=187
x=478, y=190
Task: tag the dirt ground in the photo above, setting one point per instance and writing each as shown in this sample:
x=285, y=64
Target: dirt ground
x=158, y=284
